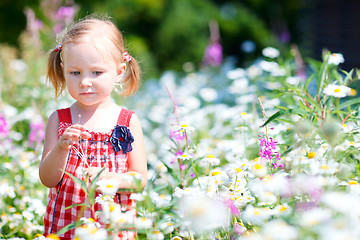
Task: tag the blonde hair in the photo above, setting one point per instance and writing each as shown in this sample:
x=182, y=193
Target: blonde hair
x=107, y=38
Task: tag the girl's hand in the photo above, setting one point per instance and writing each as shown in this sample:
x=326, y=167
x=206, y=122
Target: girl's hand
x=93, y=172
x=72, y=135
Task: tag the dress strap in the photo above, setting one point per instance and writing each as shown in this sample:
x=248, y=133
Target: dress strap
x=124, y=117
x=64, y=115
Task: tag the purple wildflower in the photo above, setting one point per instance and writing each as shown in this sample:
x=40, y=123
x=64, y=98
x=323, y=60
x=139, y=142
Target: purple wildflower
x=58, y=28
x=182, y=167
x=177, y=136
x=38, y=24
x=65, y=14
x=179, y=153
x=37, y=133
x=193, y=175
x=234, y=210
x=4, y=128
x=213, y=54
x=267, y=150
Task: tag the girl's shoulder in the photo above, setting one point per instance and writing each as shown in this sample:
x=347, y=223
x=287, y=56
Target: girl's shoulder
x=59, y=120
x=53, y=118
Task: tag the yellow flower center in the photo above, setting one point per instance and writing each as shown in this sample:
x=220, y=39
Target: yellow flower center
x=112, y=208
x=258, y=166
x=311, y=154
x=257, y=211
x=337, y=90
x=109, y=186
x=214, y=173
x=325, y=167
x=198, y=211
x=184, y=126
x=351, y=143
x=121, y=220
x=244, y=113
x=238, y=170
x=283, y=208
x=52, y=236
x=353, y=92
x=353, y=182
x=210, y=156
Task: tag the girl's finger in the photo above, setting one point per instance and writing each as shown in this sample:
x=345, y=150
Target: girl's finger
x=68, y=142
x=85, y=135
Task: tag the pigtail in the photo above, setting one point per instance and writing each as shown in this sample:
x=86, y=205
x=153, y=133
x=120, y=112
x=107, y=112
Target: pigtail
x=55, y=73
x=131, y=78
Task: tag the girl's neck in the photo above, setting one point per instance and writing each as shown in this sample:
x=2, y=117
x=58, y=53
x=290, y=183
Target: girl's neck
x=104, y=106
x=97, y=118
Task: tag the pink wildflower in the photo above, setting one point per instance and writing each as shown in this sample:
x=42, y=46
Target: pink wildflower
x=37, y=133
x=4, y=128
x=177, y=136
x=267, y=151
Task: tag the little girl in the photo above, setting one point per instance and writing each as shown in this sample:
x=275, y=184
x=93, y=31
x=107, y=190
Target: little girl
x=89, y=61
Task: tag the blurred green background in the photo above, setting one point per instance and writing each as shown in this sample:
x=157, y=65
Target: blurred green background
x=165, y=34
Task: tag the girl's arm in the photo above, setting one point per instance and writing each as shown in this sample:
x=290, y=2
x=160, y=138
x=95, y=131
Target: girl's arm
x=136, y=159
x=55, y=152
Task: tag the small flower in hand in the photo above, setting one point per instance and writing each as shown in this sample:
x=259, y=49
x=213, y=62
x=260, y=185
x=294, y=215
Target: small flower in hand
x=108, y=186
x=121, y=139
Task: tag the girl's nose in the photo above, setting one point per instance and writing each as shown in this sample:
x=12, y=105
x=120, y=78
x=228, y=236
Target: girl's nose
x=85, y=82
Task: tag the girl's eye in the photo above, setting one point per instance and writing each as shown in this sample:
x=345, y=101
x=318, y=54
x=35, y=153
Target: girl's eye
x=97, y=73
x=75, y=73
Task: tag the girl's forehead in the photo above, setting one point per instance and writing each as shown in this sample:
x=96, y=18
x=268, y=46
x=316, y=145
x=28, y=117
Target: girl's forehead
x=84, y=55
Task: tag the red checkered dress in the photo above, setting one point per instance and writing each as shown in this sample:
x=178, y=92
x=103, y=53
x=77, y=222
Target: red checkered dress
x=99, y=153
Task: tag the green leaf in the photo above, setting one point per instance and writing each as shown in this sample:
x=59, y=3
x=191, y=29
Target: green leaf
x=274, y=116
x=284, y=113
x=349, y=102
x=308, y=82
x=78, y=181
x=92, y=190
x=79, y=204
x=323, y=73
x=68, y=227
x=348, y=76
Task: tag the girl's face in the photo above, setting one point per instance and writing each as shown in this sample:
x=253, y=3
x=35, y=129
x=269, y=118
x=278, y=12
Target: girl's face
x=89, y=77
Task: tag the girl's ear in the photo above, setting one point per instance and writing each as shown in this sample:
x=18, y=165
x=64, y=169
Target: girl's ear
x=120, y=72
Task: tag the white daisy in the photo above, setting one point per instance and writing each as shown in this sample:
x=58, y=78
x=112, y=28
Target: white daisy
x=336, y=58
x=271, y=52
x=90, y=233
x=210, y=159
x=279, y=229
x=338, y=91
x=143, y=223
x=259, y=169
x=185, y=128
x=155, y=235
x=108, y=186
